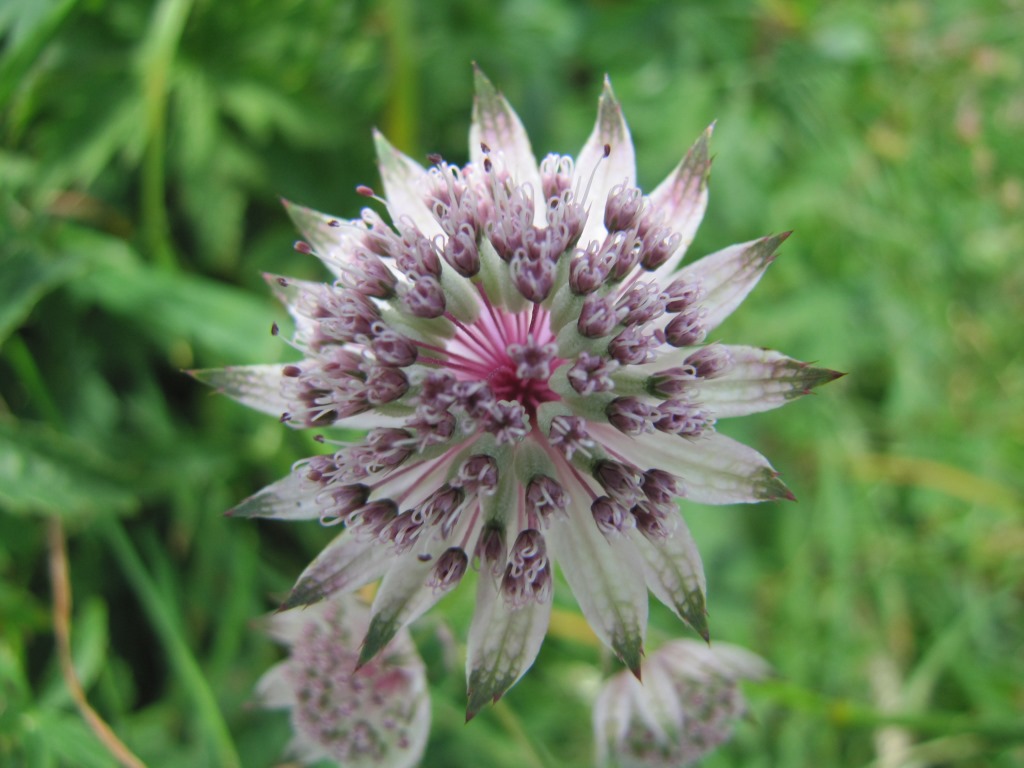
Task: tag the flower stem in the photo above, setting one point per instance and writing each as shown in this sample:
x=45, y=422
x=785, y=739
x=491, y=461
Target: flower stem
x=157, y=56
x=847, y=713
x=61, y=586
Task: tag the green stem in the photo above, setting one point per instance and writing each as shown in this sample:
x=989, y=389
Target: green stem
x=24, y=365
x=847, y=713
x=400, y=119
x=514, y=726
x=207, y=712
x=156, y=57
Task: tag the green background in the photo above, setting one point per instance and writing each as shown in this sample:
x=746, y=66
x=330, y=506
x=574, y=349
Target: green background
x=143, y=149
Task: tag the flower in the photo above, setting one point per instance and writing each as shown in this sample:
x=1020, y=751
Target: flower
x=377, y=715
x=533, y=371
x=684, y=709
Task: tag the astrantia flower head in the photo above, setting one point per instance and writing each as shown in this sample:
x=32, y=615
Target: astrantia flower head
x=686, y=706
x=374, y=715
x=532, y=364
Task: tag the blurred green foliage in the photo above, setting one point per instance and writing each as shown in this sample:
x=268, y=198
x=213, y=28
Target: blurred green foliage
x=143, y=146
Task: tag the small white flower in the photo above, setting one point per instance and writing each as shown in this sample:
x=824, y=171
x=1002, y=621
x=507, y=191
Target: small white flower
x=685, y=707
x=372, y=716
x=527, y=351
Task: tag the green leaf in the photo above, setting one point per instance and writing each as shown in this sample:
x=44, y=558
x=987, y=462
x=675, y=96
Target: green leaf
x=25, y=277
x=71, y=741
x=32, y=24
x=42, y=472
x=224, y=321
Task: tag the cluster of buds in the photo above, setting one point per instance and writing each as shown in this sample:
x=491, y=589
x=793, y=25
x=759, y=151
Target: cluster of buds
x=368, y=716
x=686, y=706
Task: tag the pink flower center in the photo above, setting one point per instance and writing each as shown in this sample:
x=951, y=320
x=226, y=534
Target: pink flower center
x=513, y=354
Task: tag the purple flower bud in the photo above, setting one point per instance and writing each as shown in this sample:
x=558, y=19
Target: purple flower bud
x=437, y=392
x=385, y=385
x=626, y=249
x=568, y=434
x=391, y=348
x=366, y=274
x=679, y=417
x=661, y=487
x=490, y=549
x=566, y=219
x=417, y=257
x=657, y=247
x=425, y=298
x=641, y=303
x=655, y=521
x=320, y=469
x=533, y=276
x=461, y=253
x=592, y=373
x=597, y=318
x=687, y=328
x=441, y=508
x=344, y=314
x=589, y=269
x=379, y=237
x=632, y=347
x=679, y=382
x=682, y=295
x=509, y=423
x=545, y=496
x=476, y=399
x=631, y=415
x=431, y=428
x=389, y=446
x=374, y=518
x=343, y=501
x=556, y=173
x=528, y=573
x=533, y=360
x=622, y=208
x=448, y=570
x=611, y=516
x=403, y=530
x=620, y=480
x=711, y=361
x=478, y=475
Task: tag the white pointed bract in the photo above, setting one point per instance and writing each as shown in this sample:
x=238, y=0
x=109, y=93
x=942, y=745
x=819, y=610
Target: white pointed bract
x=685, y=708
x=531, y=360
x=372, y=716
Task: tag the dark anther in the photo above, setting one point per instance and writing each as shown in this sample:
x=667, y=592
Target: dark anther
x=484, y=148
x=285, y=418
x=303, y=247
x=333, y=223
x=424, y=557
x=283, y=282
x=365, y=191
x=607, y=150
x=274, y=330
x=434, y=158
x=318, y=438
x=291, y=371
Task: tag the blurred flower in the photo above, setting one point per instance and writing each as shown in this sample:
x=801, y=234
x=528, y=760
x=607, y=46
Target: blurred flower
x=377, y=714
x=532, y=366
x=685, y=707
